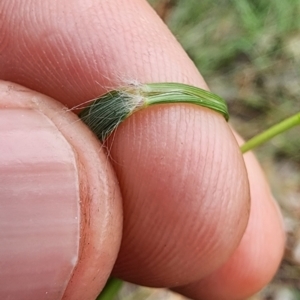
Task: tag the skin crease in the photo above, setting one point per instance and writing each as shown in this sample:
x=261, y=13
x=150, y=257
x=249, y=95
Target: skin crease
x=183, y=182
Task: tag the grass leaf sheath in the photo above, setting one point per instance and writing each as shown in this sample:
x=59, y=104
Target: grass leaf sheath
x=105, y=114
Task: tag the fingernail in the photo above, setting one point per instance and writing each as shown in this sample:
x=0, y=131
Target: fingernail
x=39, y=200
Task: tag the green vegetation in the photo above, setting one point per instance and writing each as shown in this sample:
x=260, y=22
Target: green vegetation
x=106, y=113
x=111, y=289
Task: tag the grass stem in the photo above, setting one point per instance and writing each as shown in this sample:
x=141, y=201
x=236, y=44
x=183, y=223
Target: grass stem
x=271, y=132
x=111, y=289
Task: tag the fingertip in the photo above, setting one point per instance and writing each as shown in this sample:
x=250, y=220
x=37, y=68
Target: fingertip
x=60, y=200
x=179, y=170
x=256, y=260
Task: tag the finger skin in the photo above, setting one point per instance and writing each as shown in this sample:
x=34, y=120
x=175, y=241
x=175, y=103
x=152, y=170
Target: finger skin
x=84, y=48
x=180, y=198
x=177, y=165
x=257, y=258
x=100, y=218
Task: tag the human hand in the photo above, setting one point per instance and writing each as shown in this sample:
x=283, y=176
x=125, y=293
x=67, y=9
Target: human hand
x=183, y=184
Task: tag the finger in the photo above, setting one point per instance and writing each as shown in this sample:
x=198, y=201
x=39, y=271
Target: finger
x=257, y=258
x=178, y=218
x=182, y=178
x=60, y=203
x=84, y=48
x=71, y=64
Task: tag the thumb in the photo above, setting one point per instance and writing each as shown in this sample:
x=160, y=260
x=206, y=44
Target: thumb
x=60, y=216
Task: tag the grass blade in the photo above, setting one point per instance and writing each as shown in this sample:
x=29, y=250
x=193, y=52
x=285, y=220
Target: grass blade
x=271, y=132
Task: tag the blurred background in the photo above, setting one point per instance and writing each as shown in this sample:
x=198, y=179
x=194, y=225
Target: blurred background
x=248, y=51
